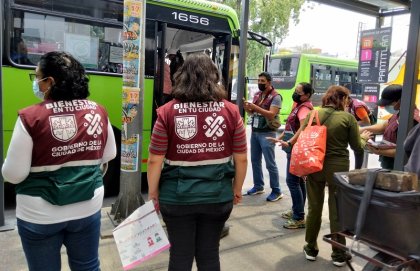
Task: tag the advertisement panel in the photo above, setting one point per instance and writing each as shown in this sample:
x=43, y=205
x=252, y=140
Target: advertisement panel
x=374, y=55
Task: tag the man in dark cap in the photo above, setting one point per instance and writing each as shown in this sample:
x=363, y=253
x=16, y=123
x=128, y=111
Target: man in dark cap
x=390, y=98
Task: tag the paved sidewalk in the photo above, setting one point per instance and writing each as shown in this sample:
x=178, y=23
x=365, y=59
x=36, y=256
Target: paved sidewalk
x=257, y=241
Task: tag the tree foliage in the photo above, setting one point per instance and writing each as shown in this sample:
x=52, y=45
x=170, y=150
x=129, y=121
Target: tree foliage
x=307, y=48
x=269, y=18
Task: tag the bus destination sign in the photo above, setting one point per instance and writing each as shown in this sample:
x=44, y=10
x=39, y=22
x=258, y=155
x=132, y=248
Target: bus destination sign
x=187, y=19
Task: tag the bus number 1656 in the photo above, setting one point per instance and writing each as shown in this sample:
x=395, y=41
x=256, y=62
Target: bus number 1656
x=190, y=18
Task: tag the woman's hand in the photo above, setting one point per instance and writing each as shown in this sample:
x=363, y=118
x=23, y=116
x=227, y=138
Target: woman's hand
x=154, y=196
x=278, y=140
x=237, y=196
x=373, y=149
x=366, y=135
x=273, y=139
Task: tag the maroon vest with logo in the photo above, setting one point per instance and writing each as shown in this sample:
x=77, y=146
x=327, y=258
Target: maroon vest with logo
x=266, y=103
x=66, y=132
x=391, y=131
x=203, y=128
x=293, y=123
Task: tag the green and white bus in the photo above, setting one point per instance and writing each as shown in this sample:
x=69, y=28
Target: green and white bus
x=91, y=30
x=289, y=69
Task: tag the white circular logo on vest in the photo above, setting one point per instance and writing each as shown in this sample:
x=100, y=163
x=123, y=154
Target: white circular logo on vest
x=214, y=126
x=63, y=127
x=186, y=127
x=94, y=123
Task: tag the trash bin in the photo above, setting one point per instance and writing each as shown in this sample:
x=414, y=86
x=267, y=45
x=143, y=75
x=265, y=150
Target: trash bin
x=392, y=218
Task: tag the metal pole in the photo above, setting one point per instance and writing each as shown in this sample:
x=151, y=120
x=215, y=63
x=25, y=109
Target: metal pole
x=1, y=117
x=130, y=198
x=3, y=226
x=242, y=55
x=410, y=85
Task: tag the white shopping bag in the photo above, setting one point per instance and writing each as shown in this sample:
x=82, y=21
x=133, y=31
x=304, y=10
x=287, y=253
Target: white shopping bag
x=140, y=236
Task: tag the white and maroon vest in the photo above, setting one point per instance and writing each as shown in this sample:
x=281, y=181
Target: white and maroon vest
x=65, y=133
x=204, y=128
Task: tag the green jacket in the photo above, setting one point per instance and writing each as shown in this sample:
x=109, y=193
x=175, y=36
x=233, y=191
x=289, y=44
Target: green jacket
x=342, y=130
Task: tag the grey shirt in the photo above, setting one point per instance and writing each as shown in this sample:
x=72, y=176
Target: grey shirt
x=412, y=147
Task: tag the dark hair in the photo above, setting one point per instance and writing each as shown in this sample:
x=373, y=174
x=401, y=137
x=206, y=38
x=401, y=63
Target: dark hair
x=70, y=80
x=307, y=88
x=267, y=75
x=334, y=96
x=197, y=80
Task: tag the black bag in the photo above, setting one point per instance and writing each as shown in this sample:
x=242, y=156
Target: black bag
x=273, y=124
x=260, y=122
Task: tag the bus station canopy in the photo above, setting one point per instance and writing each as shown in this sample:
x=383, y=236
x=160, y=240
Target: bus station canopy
x=377, y=8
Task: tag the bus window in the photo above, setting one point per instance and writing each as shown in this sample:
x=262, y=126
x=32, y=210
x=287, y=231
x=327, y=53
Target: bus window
x=284, y=66
x=100, y=9
x=348, y=78
x=192, y=42
x=97, y=46
x=284, y=71
x=233, y=72
x=323, y=76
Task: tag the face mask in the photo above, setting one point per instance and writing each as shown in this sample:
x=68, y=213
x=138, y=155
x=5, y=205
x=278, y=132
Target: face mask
x=296, y=97
x=390, y=109
x=261, y=87
x=37, y=92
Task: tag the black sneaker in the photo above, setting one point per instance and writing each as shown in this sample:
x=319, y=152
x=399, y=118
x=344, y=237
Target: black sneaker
x=225, y=231
x=310, y=254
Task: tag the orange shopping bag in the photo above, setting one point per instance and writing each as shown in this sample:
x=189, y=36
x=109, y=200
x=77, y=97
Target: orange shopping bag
x=308, y=152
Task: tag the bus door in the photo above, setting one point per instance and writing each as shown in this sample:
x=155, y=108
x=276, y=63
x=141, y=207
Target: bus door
x=171, y=38
x=321, y=79
x=221, y=56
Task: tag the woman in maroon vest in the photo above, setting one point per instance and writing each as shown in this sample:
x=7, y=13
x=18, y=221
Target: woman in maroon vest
x=200, y=139
x=303, y=105
x=54, y=158
x=391, y=98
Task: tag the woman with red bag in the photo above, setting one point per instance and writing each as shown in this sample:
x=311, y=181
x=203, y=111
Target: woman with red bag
x=342, y=130
x=303, y=105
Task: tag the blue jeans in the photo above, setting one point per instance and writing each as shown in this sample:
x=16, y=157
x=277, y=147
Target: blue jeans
x=42, y=243
x=261, y=146
x=297, y=188
x=194, y=231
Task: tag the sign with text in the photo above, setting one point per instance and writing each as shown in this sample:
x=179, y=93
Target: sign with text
x=374, y=55
x=371, y=95
x=140, y=236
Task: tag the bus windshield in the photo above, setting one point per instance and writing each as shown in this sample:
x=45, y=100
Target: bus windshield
x=97, y=45
x=284, y=71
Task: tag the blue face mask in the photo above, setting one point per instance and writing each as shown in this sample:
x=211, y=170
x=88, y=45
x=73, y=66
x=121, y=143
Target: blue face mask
x=390, y=109
x=37, y=92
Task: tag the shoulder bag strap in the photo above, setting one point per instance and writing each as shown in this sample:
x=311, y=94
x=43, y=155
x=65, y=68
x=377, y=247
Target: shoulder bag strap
x=329, y=115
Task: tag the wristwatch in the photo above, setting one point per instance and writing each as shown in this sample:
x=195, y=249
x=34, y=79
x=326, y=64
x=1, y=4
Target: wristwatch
x=289, y=143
